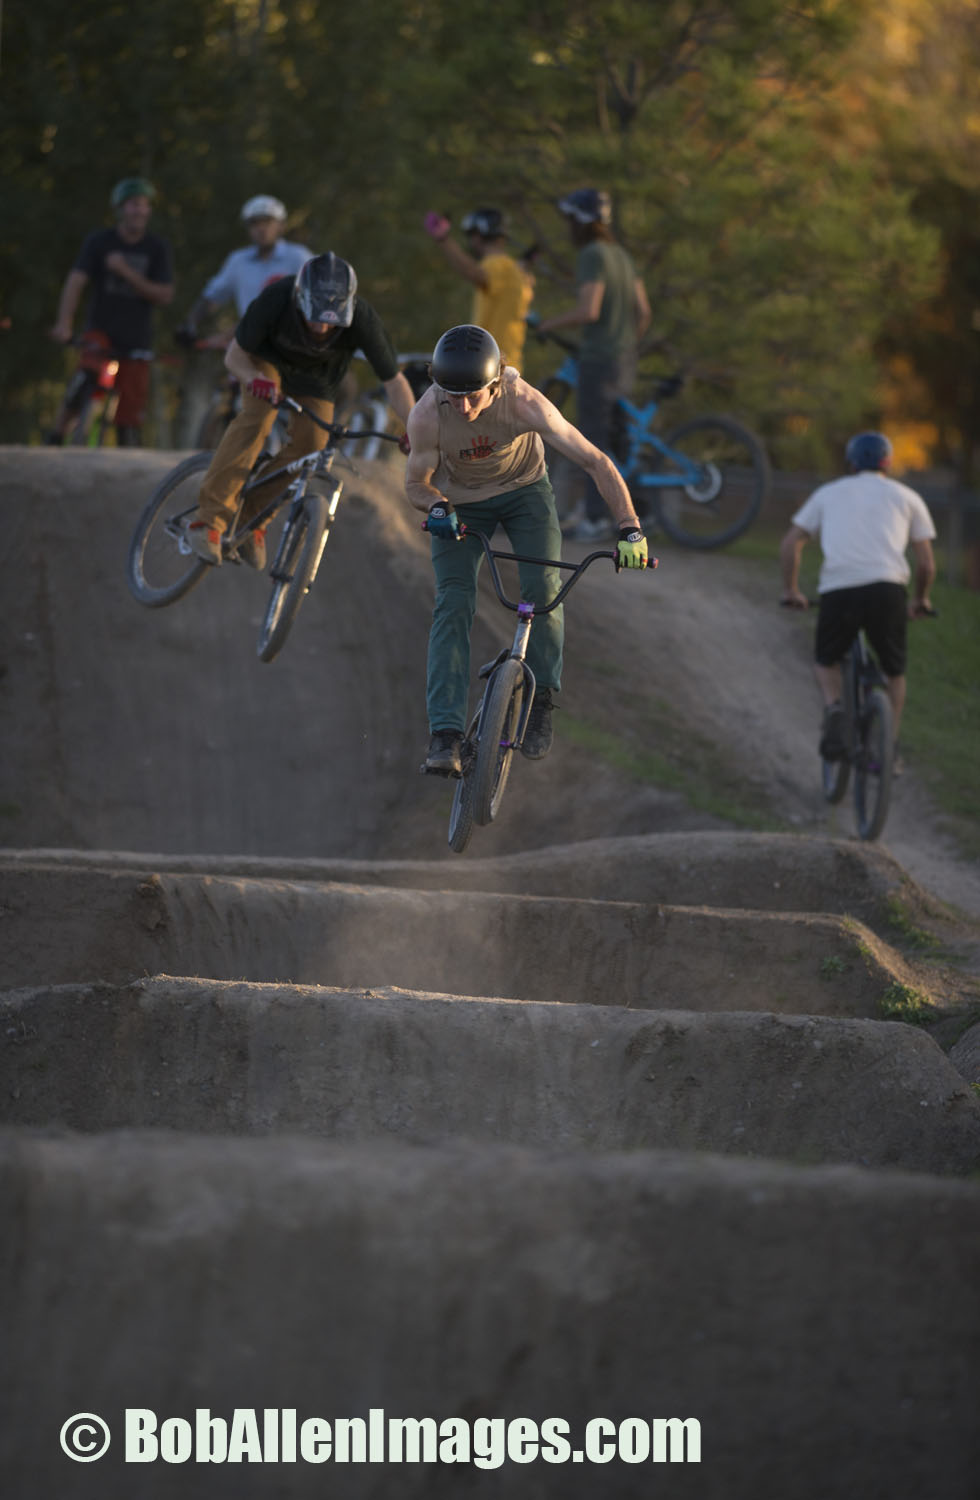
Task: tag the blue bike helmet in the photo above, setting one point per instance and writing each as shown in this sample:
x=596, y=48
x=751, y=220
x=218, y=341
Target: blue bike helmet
x=587, y=206
x=869, y=450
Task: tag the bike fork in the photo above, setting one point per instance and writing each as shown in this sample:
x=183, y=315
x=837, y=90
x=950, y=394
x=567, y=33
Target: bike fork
x=332, y=504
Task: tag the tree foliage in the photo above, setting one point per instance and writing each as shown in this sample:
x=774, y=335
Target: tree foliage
x=775, y=245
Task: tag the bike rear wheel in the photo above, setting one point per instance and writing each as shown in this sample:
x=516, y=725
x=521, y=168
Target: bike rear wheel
x=837, y=773
x=733, y=480
x=873, y=764
x=157, y=571
x=495, y=750
x=293, y=572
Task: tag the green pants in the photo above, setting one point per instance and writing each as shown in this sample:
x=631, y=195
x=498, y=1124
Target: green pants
x=530, y=521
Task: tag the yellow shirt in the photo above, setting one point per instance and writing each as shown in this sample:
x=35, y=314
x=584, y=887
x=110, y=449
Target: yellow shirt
x=502, y=307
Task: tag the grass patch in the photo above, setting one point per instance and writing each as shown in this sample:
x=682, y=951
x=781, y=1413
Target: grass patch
x=685, y=764
x=901, y=1002
x=833, y=966
x=941, y=724
x=911, y=935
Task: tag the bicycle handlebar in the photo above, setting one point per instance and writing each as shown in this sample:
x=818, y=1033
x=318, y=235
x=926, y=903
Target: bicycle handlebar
x=334, y=428
x=576, y=569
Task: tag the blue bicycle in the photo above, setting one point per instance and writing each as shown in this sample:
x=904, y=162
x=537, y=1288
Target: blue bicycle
x=704, y=483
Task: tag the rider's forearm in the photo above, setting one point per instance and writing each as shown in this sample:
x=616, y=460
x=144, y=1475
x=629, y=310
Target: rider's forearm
x=161, y=293
x=925, y=577
x=790, y=552
x=399, y=394
x=463, y=263
x=240, y=364
x=422, y=495
x=612, y=488
x=69, y=299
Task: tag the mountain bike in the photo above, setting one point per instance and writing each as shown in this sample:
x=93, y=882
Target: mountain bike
x=704, y=483
x=88, y=407
x=869, y=737
x=161, y=568
x=497, y=727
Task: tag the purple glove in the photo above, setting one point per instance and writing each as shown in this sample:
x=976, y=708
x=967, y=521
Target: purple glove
x=437, y=225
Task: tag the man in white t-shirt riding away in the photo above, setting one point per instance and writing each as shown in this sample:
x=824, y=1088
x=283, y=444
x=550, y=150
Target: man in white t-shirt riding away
x=477, y=454
x=865, y=523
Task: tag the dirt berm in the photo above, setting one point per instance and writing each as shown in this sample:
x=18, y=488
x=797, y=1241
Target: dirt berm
x=619, y=1116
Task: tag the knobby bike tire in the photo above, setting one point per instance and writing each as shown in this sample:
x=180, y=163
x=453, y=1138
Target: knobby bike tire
x=298, y=567
x=737, y=480
x=873, y=765
x=157, y=572
x=494, y=755
x=461, y=812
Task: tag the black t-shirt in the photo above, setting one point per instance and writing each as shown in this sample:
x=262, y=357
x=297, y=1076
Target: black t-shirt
x=272, y=329
x=116, y=307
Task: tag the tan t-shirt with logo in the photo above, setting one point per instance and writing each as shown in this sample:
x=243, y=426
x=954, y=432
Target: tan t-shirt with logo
x=490, y=455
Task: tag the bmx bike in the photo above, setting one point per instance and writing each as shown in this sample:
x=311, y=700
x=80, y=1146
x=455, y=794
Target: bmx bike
x=497, y=727
x=161, y=568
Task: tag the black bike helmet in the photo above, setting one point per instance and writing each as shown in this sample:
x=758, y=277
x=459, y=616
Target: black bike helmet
x=131, y=187
x=487, y=222
x=587, y=206
x=466, y=359
x=869, y=450
x=324, y=290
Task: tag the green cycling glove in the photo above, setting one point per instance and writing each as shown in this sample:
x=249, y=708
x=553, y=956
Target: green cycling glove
x=631, y=549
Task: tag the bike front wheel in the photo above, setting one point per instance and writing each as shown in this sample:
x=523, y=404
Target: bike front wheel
x=293, y=572
x=461, y=812
x=873, y=765
x=495, y=749
x=723, y=477
x=157, y=570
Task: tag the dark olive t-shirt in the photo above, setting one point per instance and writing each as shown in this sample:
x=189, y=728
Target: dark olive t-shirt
x=115, y=307
x=613, y=334
x=272, y=329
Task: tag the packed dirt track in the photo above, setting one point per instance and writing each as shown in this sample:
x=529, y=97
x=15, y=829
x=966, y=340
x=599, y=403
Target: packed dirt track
x=626, y=1113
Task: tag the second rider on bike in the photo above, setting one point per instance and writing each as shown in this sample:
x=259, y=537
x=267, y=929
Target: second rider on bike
x=477, y=442
x=298, y=337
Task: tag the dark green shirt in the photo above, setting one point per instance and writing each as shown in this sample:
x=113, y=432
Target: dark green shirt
x=272, y=329
x=614, y=331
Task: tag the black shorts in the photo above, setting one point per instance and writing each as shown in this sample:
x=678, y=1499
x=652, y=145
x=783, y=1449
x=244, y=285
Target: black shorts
x=877, y=608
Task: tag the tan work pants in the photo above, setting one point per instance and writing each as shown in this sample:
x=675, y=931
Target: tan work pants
x=218, y=500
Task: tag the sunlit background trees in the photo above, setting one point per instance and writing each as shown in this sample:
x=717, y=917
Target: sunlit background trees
x=798, y=184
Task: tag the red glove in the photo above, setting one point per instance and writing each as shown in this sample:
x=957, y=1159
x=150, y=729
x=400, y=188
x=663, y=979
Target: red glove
x=404, y=444
x=264, y=390
x=437, y=225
